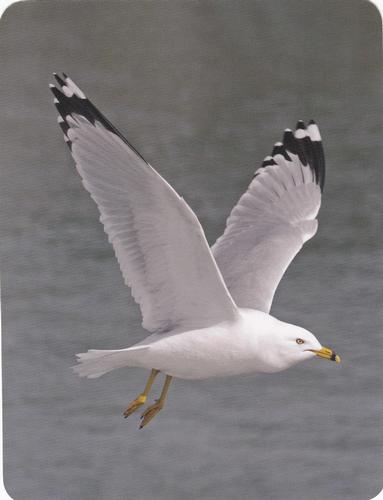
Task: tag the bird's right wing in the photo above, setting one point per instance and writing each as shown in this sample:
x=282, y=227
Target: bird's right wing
x=273, y=219
x=159, y=243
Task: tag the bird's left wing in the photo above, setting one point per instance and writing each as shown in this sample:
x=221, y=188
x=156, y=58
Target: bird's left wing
x=273, y=219
x=159, y=243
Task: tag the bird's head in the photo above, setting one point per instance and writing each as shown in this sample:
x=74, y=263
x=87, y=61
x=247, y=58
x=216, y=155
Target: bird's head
x=294, y=344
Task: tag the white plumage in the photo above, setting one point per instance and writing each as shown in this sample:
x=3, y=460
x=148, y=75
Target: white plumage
x=158, y=240
x=267, y=228
x=207, y=309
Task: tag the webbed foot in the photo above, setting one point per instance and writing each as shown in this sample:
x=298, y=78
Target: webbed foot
x=150, y=413
x=135, y=404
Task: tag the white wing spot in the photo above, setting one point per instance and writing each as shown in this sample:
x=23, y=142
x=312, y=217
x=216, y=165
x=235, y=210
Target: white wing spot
x=300, y=133
x=79, y=93
x=68, y=92
x=313, y=131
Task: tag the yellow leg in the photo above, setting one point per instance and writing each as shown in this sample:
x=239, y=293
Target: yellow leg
x=141, y=399
x=152, y=411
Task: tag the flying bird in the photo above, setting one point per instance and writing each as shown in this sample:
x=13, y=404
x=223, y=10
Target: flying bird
x=206, y=309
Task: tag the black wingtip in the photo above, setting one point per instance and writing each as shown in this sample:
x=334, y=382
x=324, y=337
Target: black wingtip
x=279, y=149
x=288, y=136
x=309, y=151
x=59, y=80
x=300, y=125
x=268, y=161
x=75, y=102
x=56, y=92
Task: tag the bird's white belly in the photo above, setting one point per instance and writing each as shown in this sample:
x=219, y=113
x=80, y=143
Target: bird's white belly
x=210, y=352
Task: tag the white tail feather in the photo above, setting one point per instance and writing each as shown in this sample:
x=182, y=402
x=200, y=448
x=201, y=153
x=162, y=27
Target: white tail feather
x=94, y=363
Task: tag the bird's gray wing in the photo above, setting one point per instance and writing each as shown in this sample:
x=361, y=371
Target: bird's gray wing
x=273, y=219
x=159, y=243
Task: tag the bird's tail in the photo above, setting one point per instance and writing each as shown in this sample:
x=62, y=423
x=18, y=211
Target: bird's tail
x=94, y=363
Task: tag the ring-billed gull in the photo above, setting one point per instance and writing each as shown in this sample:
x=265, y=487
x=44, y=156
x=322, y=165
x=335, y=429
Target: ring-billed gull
x=207, y=309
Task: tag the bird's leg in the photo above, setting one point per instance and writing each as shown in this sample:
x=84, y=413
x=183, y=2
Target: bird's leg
x=141, y=399
x=152, y=411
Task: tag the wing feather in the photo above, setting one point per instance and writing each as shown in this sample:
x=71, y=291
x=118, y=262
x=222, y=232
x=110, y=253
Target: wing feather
x=273, y=219
x=159, y=243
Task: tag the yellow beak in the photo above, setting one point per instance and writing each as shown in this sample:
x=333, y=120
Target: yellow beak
x=327, y=353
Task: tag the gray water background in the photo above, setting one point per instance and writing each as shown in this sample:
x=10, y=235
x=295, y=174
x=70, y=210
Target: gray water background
x=203, y=90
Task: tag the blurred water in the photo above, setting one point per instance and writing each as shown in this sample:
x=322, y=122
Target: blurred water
x=203, y=89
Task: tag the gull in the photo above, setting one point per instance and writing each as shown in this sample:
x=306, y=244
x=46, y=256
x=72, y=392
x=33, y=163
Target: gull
x=206, y=309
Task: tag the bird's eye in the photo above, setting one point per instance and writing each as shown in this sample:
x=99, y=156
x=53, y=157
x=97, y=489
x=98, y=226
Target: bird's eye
x=300, y=341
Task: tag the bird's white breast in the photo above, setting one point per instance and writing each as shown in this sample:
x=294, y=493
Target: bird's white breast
x=229, y=348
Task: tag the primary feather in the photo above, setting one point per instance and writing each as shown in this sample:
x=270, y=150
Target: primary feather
x=159, y=243
x=273, y=219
